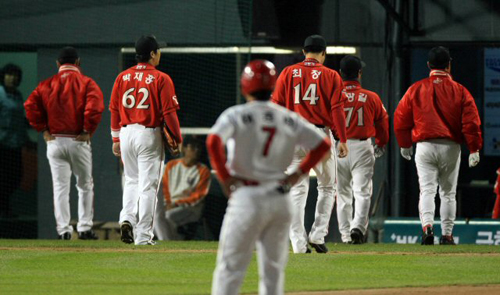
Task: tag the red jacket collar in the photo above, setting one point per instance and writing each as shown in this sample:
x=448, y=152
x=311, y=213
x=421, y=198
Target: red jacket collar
x=440, y=73
x=352, y=85
x=311, y=62
x=144, y=66
x=69, y=67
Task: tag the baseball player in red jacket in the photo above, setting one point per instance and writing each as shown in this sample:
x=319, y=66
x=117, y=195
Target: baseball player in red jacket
x=315, y=92
x=438, y=114
x=142, y=99
x=366, y=117
x=67, y=108
x=496, y=190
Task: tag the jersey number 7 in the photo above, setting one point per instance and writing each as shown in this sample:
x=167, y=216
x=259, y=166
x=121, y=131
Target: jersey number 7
x=271, y=131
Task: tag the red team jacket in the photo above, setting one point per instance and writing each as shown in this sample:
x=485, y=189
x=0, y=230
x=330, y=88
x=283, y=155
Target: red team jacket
x=496, y=189
x=366, y=116
x=438, y=107
x=314, y=91
x=143, y=95
x=65, y=104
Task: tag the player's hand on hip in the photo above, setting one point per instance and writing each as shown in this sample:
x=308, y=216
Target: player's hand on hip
x=407, y=153
x=47, y=136
x=84, y=136
x=473, y=159
x=230, y=185
x=293, y=178
x=378, y=151
x=343, y=150
x=116, y=149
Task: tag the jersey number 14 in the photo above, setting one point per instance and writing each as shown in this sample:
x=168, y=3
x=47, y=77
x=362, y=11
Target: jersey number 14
x=310, y=94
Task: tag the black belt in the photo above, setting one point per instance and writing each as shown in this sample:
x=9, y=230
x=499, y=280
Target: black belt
x=144, y=127
x=360, y=139
x=282, y=189
x=320, y=126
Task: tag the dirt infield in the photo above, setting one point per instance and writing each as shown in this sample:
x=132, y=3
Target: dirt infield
x=442, y=290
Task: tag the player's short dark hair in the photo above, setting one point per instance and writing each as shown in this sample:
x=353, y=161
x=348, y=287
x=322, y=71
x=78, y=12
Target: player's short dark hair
x=439, y=58
x=314, y=49
x=262, y=95
x=349, y=76
x=68, y=55
x=193, y=141
x=142, y=58
x=144, y=45
x=440, y=67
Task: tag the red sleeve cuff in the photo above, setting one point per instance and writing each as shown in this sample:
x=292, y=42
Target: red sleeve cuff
x=172, y=122
x=338, y=117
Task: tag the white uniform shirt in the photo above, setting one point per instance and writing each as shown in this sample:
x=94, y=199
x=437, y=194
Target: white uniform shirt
x=261, y=138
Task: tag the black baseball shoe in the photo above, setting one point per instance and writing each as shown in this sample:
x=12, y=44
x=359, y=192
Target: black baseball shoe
x=127, y=234
x=65, y=236
x=447, y=240
x=428, y=236
x=357, y=236
x=320, y=248
x=87, y=235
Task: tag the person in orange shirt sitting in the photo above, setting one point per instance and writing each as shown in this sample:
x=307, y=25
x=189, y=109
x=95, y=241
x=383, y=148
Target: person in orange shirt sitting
x=186, y=182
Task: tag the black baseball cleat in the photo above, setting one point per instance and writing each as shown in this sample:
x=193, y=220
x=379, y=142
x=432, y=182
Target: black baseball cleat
x=127, y=235
x=320, y=248
x=87, y=235
x=357, y=236
x=65, y=236
x=447, y=240
x=428, y=236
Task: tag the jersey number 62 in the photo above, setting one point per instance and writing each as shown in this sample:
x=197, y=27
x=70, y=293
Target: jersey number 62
x=128, y=99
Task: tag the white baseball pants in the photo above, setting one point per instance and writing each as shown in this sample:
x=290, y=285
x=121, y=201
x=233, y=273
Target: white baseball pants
x=257, y=216
x=438, y=163
x=326, y=176
x=142, y=156
x=354, y=180
x=67, y=156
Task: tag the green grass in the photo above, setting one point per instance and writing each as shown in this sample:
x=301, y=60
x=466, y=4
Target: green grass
x=110, y=267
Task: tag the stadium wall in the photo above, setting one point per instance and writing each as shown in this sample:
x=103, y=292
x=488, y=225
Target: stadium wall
x=104, y=28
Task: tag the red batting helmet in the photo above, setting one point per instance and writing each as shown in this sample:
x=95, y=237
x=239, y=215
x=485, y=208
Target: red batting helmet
x=258, y=75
